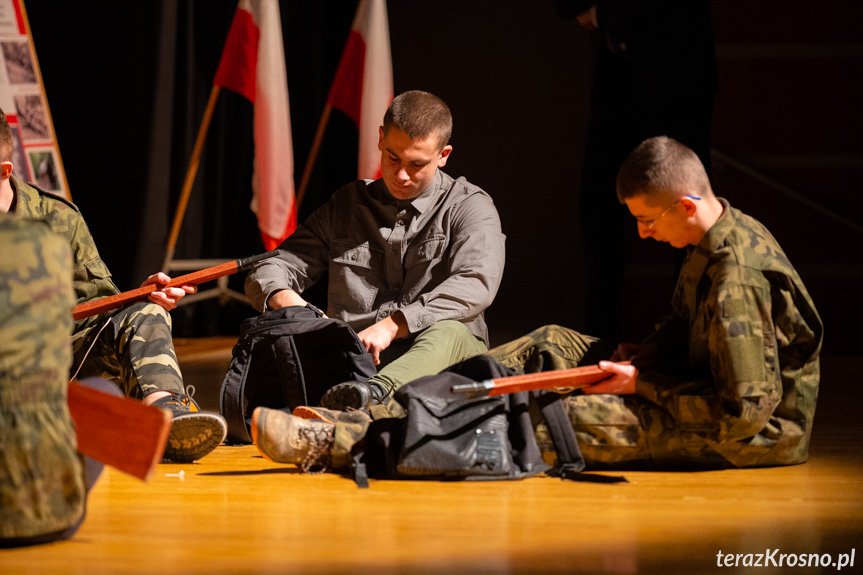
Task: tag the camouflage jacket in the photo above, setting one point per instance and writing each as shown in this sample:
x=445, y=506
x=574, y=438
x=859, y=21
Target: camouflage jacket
x=91, y=278
x=41, y=479
x=747, y=335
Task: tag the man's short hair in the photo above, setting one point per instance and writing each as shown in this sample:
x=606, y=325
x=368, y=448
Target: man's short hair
x=420, y=115
x=5, y=139
x=661, y=168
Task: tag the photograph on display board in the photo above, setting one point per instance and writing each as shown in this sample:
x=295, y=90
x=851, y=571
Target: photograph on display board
x=19, y=65
x=44, y=170
x=19, y=161
x=23, y=99
x=32, y=118
x=9, y=17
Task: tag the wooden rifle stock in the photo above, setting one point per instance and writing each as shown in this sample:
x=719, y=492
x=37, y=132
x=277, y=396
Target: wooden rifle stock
x=118, y=431
x=563, y=378
x=98, y=306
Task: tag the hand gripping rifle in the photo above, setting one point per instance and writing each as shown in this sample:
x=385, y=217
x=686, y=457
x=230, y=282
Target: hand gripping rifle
x=119, y=431
x=98, y=306
x=562, y=380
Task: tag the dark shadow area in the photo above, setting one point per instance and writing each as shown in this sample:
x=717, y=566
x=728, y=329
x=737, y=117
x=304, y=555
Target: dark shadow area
x=127, y=103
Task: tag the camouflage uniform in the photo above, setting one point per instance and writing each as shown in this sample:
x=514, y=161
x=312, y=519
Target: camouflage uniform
x=131, y=346
x=741, y=370
x=42, y=489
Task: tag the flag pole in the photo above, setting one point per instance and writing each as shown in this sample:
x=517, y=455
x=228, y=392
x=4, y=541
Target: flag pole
x=313, y=154
x=190, y=178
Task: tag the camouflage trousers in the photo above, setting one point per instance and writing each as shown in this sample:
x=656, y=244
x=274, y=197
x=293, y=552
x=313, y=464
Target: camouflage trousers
x=133, y=348
x=609, y=428
x=616, y=431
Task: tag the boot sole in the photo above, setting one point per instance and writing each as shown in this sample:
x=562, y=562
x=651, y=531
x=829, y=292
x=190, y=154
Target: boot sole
x=194, y=435
x=345, y=395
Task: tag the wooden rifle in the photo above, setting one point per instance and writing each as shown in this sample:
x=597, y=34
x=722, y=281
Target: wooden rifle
x=118, y=431
x=102, y=305
x=561, y=379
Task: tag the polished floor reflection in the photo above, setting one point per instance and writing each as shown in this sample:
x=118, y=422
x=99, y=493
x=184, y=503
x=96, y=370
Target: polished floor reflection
x=234, y=512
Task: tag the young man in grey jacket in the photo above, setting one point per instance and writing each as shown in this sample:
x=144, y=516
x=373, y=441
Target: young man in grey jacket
x=414, y=257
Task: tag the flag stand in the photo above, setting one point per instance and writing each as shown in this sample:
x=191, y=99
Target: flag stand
x=221, y=290
x=313, y=154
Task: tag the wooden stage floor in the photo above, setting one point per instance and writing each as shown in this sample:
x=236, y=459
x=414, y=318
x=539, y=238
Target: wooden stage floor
x=234, y=512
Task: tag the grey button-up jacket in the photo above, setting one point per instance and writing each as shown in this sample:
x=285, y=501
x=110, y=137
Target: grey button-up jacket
x=435, y=257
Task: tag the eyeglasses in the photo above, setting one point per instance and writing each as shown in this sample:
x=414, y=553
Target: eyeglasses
x=650, y=224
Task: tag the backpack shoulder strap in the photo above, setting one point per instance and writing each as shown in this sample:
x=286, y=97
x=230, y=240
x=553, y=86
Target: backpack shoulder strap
x=560, y=429
x=232, y=393
x=570, y=461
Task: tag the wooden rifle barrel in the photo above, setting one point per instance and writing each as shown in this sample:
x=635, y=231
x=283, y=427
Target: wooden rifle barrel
x=561, y=378
x=102, y=305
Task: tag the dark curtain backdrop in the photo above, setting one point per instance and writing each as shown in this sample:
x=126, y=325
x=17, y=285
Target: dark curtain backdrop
x=127, y=85
x=128, y=97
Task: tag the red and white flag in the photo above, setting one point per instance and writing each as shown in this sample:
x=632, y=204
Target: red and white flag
x=253, y=64
x=363, y=88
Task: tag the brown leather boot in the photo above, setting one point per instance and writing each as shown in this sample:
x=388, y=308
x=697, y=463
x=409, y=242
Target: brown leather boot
x=332, y=415
x=285, y=438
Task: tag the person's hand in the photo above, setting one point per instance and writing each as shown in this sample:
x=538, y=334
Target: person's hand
x=640, y=354
x=621, y=382
x=285, y=298
x=167, y=297
x=377, y=337
x=588, y=18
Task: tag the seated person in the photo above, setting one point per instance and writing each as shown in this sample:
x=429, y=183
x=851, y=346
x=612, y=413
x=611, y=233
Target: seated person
x=729, y=379
x=42, y=480
x=131, y=346
x=414, y=258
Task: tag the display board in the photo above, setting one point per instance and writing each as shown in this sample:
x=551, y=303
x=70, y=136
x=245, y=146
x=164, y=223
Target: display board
x=22, y=98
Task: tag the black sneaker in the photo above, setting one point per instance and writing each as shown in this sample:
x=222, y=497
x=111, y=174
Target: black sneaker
x=194, y=433
x=352, y=395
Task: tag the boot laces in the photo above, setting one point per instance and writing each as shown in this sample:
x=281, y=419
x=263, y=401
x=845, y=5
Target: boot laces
x=318, y=458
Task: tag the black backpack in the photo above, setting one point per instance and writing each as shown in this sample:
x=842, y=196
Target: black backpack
x=285, y=358
x=447, y=435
